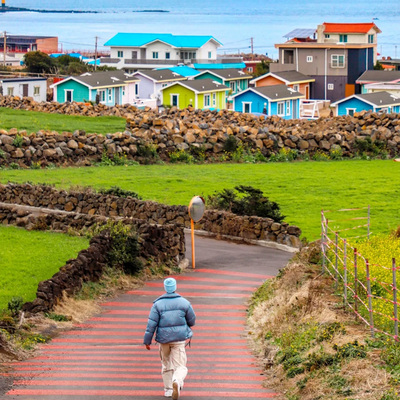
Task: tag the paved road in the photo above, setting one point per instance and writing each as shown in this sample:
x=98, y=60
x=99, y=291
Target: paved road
x=105, y=357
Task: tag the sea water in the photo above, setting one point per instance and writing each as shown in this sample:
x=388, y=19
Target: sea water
x=232, y=22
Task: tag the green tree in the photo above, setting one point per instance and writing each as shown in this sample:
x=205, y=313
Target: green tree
x=37, y=61
x=378, y=66
x=261, y=68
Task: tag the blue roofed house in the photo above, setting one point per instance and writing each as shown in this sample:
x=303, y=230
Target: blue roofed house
x=235, y=79
x=270, y=100
x=112, y=87
x=383, y=102
x=132, y=51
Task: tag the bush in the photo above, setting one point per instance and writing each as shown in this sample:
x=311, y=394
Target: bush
x=117, y=191
x=15, y=305
x=251, y=202
x=231, y=144
x=18, y=141
x=180, y=156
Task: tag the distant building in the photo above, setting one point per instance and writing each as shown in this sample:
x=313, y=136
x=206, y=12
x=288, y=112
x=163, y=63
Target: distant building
x=373, y=80
x=132, y=51
x=335, y=59
x=20, y=45
x=36, y=88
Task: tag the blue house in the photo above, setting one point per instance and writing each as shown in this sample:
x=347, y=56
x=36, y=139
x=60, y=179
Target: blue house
x=111, y=87
x=378, y=102
x=270, y=100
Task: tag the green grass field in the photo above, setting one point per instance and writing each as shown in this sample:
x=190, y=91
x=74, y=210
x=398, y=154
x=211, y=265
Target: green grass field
x=302, y=189
x=26, y=258
x=33, y=121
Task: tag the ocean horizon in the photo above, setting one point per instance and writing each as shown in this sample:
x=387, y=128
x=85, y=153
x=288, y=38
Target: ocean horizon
x=232, y=22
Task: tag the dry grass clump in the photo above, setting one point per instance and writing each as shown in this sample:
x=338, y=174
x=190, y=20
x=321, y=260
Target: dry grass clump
x=308, y=345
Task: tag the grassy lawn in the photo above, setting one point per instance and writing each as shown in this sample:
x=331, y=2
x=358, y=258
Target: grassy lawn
x=33, y=121
x=302, y=189
x=26, y=258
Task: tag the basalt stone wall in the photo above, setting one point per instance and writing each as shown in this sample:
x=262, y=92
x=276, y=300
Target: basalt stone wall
x=206, y=132
x=220, y=223
x=162, y=243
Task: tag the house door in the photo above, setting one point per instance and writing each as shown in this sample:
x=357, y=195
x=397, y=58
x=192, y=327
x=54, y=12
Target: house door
x=174, y=100
x=117, y=91
x=134, y=55
x=294, y=108
x=247, y=107
x=307, y=92
x=25, y=90
x=68, y=96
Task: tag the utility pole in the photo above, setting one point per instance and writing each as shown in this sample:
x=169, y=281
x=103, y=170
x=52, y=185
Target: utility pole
x=252, y=45
x=5, y=47
x=95, y=53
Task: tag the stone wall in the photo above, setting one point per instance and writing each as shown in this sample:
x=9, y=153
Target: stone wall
x=216, y=222
x=200, y=131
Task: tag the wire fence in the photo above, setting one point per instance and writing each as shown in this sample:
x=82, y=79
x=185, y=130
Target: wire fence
x=369, y=290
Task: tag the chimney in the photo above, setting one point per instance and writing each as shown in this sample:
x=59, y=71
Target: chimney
x=320, y=33
x=3, y=3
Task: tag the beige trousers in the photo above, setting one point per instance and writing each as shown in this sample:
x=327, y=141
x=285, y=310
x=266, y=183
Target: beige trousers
x=173, y=363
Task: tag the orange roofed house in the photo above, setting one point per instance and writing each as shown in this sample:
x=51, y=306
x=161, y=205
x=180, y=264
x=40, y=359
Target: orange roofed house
x=334, y=56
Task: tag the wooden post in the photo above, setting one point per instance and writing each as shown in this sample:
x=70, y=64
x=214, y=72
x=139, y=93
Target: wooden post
x=355, y=282
x=371, y=317
x=345, y=272
x=336, y=261
x=323, y=240
x=396, y=322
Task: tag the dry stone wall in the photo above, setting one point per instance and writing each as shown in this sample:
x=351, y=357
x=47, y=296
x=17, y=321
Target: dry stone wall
x=219, y=223
x=149, y=133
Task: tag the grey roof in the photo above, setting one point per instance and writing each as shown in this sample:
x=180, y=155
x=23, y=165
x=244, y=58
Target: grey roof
x=380, y=99
x=378, y=76
x=161, y=75
x=110, y=60
x=204, y=85
x=276, y=92
x=301, y=33
x=229, y=73
x=27, y=79
x=103, y=79
x=293, y=76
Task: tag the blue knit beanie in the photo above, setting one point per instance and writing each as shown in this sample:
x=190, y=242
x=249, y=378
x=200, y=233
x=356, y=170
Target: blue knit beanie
x=170, y=285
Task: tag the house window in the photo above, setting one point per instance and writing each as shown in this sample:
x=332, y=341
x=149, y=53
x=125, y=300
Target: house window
x=136, y=89
x=337, y=60
x=69, y=95
x=155, y=54
x=214, y=99
x=343, y=38
x=350, y=111
x=206, y=100
x=250, y=69
x=246, y=107
x=10, y=91
x=331, y=86
x=296, y=88
x=194, y=55
x=288, y=56
x=164, y=84
x=36, y=90
x=134, y=55
x=102, y=95
x=232, y=85
x=109, y=92
x=209, y=54
x=167, y=56
x=120, y=53
x=309, y=58
x=385, y=110
x=287, y=107
x=327, y=36
x=281, y=108
x=370, y=38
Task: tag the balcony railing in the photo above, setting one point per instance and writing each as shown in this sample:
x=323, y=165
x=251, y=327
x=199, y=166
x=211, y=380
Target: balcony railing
x=174, y=62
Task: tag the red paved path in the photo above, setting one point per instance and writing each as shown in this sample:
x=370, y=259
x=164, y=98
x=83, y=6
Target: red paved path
x=105, y=357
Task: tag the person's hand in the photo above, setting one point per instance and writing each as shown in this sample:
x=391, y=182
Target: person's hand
x=148, y=347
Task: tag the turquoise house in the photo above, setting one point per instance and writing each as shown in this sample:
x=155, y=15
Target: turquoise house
x=111, y=87
x=236, y=80
x=277, y=100
x=377, y=101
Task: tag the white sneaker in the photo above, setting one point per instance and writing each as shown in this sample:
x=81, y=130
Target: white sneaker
x=175, y=391
x=168, y=393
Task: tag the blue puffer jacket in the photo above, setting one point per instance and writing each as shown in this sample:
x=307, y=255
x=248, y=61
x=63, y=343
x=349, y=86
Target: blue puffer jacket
x=172, y=316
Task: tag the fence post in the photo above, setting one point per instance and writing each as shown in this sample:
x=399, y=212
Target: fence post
x=345, y=272
x=369, y=221
x=371, y=317
x=396, y=322
x=336, y=261
x=323, y=240
x=355, y=282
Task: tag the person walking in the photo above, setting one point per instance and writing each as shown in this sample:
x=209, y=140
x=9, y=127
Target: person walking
x=172, y=316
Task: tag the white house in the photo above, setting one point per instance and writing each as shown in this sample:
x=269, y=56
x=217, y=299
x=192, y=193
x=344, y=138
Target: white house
x=36, y=88
x=131, y=51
